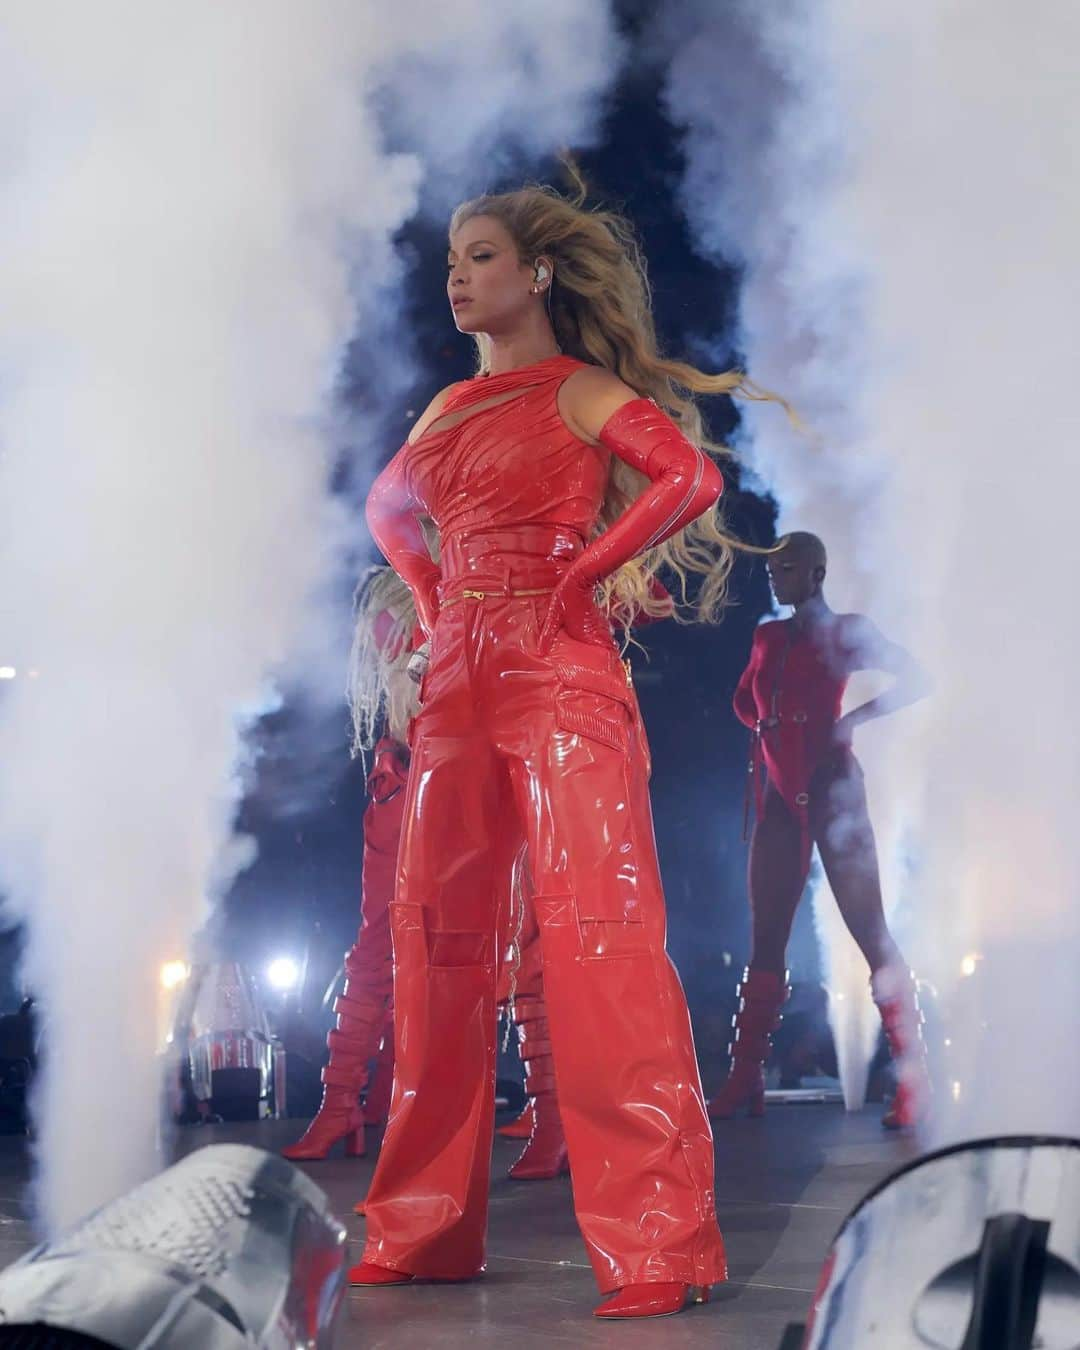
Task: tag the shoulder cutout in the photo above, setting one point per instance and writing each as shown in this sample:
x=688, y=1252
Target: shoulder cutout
x=430, y=413
x=588, y=397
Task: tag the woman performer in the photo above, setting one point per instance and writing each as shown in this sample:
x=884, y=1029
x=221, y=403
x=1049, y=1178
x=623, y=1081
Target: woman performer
x=381, y=693
x=790, y=696
x=526, y=704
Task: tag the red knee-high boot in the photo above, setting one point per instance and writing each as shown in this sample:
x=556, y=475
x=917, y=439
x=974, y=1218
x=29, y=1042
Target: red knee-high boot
x=761, y=996
x=377, y=1101
x=360, y=1011
x=545, y=1154
x=896, y=995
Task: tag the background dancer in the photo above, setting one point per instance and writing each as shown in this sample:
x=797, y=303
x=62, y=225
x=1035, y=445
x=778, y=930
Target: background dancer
x=382, y=695
x=526, y=701
x=790, y=695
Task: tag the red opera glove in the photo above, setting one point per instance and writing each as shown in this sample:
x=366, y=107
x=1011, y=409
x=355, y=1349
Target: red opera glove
x=393, y=518
x=684, y=483
x=574, y=610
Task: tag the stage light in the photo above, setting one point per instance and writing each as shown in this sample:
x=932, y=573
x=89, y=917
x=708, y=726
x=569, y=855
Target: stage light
x=173, y=974
x=236, y=1065
x=8, y=672
x=283, y=973
x=970, y=963
x=975, y=1247
x=231, y=1249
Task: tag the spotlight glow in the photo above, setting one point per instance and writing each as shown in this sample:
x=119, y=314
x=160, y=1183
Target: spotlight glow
x=173, y=974
x=970, y=963
x=283, y=973
x=8, y=672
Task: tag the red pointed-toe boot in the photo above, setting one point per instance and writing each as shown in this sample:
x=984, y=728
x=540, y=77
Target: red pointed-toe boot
x=761, y=996
x=352, y=1043
x=651, y=1300
x=896, y=994
x=365, y=1272
x=545, y=1154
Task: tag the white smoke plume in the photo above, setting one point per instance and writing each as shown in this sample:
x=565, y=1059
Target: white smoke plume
x=896, y=180
x=199, y=206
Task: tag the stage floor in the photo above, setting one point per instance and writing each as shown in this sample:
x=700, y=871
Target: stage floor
x=783, y=1185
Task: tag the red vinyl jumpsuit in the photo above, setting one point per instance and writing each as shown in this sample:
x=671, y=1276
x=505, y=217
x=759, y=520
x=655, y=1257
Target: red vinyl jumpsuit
x=555, y=738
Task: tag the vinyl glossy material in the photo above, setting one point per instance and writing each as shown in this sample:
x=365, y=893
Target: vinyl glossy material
x=650, y=1300
x=552, y=742
x=545, y=1154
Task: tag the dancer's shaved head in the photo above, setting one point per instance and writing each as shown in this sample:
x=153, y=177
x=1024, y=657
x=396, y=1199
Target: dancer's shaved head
x=803, y=549
x=797, y=567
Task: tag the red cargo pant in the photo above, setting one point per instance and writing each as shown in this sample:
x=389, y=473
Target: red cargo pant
x=555, y=741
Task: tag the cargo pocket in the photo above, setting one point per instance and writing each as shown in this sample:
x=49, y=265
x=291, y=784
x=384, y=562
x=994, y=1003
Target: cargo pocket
x=577, y=929
x=595, y=701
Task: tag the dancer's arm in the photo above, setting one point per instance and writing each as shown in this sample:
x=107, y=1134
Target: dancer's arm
x=744, y=703
x=869, y=650
x=393, y=516
x=684, y=483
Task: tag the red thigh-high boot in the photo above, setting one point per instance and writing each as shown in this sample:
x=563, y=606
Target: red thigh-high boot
x=377, y=1101
x=761, y=996
x=380, y=1085
x=523, y=972
x=360, y=1011
x=545, y=1154
x=896, y=995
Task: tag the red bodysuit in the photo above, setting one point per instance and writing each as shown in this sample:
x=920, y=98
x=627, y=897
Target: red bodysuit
x=522, y=722
x=790, y=695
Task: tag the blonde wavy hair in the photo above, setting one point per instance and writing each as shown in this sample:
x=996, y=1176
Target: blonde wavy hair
x=600, y=306
x=378, y=685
